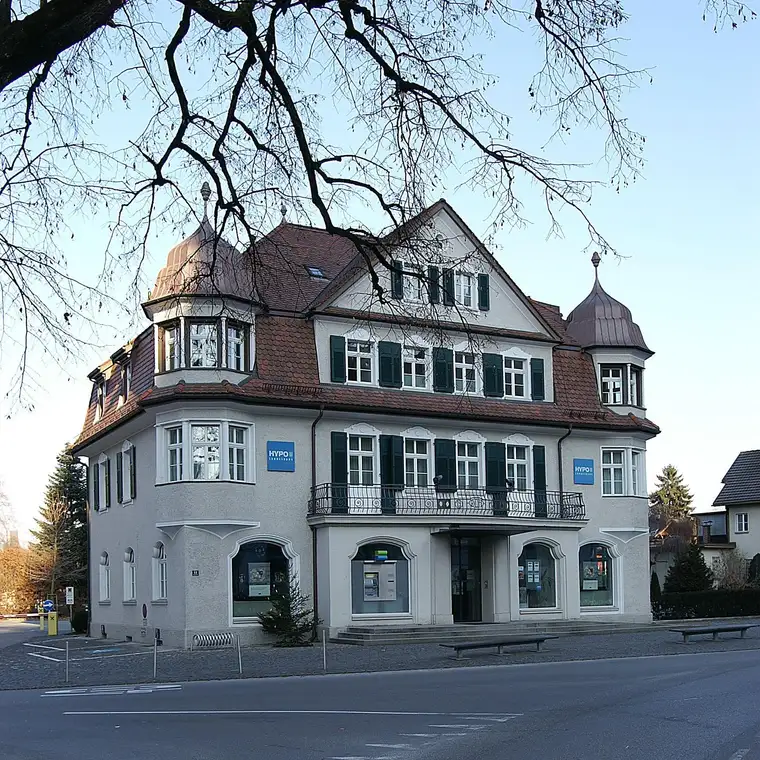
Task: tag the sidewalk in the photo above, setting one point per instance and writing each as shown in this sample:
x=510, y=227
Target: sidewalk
x=40, y=662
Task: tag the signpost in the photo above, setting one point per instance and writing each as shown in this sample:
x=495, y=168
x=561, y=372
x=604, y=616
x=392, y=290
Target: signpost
x=48, y=605
x=70, y=601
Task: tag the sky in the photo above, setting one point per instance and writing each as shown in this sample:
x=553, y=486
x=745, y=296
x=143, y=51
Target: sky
x=687, y=232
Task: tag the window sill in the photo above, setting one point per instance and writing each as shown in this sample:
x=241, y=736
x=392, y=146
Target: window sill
x=607, y=609
x=130, y=602
x=159, y=602
x=382, y=616
x=206, y=482
x=541, y=611
x=127, y=502
x=250, y=622
x=245, y=372
x=106, y=603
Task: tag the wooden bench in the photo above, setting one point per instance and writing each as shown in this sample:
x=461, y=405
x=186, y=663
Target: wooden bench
x=713, y=629
x=505, y=641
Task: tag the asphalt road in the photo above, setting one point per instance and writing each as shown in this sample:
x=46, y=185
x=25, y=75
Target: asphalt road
x=16, y=631
x=696, y=706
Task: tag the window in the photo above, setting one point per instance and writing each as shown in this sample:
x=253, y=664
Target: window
x=259, y=570
x=160, y=572
x=414, y=286
x=468, y=465
x=463, y=288
x=237, y=452
x=379, y=580
x=171, y=343
x=536, y=577
x=595, y=569
x=613, y=472
x=464, y=372
x=203, y=344
x=130, y=576
x=126, y=380
x=612, y=385
x=634, y=395
x=103, y=482
x=637, y=484
x=104, y=578
x=514, y=377
x=742, y=522
x=415, y=367
x=174, y=438
x=361, y=460
x=416, y=462
x=358, y=361
x=236, y=347
x=205, y=443
x=517, y=467
x=315, y=272
x=100, y=399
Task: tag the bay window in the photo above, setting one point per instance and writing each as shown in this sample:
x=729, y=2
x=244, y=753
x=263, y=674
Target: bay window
x=237, y=452
x=170, y=343
x=612, y=385
x=204, y=344
x=174, y=443
x=623, y=472
x=205, y=443
x=621, y=384
x=236, y=340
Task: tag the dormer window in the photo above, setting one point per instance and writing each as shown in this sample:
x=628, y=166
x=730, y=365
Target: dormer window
x=634, y=397
x=612, y=385
x=100, y=399
x=170, y=343
x=204, y=344
x=236, y=346
x=621, y=385
x=126, y=380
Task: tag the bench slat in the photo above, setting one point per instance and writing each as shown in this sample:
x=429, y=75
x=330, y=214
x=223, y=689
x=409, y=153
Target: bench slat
x=483, y=643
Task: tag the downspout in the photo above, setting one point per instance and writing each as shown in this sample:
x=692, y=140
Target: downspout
x=559, y=463
x=315, y=592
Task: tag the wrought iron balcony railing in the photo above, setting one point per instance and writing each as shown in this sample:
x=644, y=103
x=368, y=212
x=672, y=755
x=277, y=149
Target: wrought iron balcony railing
x=342, y=499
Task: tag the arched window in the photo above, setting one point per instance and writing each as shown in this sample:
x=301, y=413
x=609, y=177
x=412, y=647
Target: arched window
x=595, y=568
x=130, y=576
x=104, y=577
x=537, y=577
x=259, y=570
x=159, y=572
x=379, y=580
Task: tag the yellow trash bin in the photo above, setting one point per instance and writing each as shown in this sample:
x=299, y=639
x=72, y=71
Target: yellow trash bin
x=52, y=623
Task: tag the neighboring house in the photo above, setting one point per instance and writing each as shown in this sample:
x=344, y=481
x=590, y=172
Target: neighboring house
x=740, y=496
x=404, y=469
x=712, y=536
x=666, y=539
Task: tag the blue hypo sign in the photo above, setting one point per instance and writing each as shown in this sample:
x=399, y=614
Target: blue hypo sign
x=281, y=456
x=583, y=472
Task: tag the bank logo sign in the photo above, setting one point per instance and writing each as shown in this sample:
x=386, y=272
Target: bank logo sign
x=281, y=456
x=583, y=472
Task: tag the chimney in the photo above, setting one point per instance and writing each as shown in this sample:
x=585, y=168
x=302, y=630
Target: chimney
x=706, y=533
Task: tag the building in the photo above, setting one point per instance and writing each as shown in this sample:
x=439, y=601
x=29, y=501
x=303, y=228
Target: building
x=740, y=498
x=455, y=452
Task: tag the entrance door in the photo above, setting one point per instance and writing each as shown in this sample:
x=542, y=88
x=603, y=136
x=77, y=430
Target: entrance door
x=465, y=579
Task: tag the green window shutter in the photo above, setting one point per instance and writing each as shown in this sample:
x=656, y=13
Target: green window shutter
x=484, y=292
x=337, y=359
x=539, y=480
x=397, y=279
x=389, y=356
x=132, y=472
x=339, y=458
x=392, y=461
x=446, y=464
x=443, y=370
x=496, y=466
x=537, y=379
x=448, y=287
x=493, y=375
x=95, y=486
x=434, y=292
x=119, y=478
x=108, y=483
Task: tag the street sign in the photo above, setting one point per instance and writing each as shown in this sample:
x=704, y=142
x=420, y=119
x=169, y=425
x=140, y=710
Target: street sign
x=48, y=605
x=69, y=595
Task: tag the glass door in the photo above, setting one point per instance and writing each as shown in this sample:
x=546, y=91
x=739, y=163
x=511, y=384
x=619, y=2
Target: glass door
x=465, y=579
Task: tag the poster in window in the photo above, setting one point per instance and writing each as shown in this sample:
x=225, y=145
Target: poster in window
x=590, y=577
x=591, y=585
x=258, y=579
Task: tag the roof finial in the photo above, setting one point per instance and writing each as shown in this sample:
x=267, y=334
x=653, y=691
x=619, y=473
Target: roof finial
x=205, y=194
x=283, y=210
x=596, y=260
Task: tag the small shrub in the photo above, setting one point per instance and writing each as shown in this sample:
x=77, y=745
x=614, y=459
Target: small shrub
x=79, y=621
x=655, y=594
x=753, y=576
x=290, y=618
x=709, y=604
x=689, y=572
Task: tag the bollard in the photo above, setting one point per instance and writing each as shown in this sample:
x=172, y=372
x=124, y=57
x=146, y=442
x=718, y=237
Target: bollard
x=67, y=662
x=52, y=623
x=155, y=655
x=42, y=621
x=240, y=656
x=324, y=650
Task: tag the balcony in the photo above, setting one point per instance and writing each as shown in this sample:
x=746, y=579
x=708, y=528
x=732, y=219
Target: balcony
x=341, y=499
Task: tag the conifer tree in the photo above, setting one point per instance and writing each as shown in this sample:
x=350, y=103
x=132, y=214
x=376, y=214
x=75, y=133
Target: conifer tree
x=671, y=499
x=689, y=572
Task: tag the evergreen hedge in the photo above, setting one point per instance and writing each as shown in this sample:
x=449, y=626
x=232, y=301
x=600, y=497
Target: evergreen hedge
x=708, y=604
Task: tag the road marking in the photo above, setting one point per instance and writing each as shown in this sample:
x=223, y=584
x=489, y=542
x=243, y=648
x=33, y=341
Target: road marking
x=739, y=754
x=456, y=725
x=421, y=736
x=44, y=657
x=109, y=656
x=495, y=720
x=260, y=712
x=454, y=733
x=100, y=691
x=43, y=646
x=390, y=746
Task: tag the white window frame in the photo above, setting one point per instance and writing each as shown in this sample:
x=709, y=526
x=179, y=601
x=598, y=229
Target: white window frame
x=464, y=366
x=634, y=385
x=361, y=455
x=407, y=356
x=125, y=381
x=609, y=395
x=104, y=579
x=469, y=459
x=614, y=466
x=172, y=350
x=224, y=423
x=230, y=344
x=741, y=522
x=100, y=399
x=179, y=447
x=205, y=344
x=103, y=504
x=514, y=462
x=240, y=449
x=634, y=470
x=459, y=290
x=513, y=372
x=206, y=445
x=127, y=456
x=357, y=354
x=130, y=575
x=160, y=573
x=416, y=458
x=413, y=285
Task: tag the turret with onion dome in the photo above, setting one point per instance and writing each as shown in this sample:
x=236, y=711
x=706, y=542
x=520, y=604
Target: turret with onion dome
x=605, y=328
x=202, y=307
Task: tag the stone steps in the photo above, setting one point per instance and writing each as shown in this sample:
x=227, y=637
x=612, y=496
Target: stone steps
x=431, y=634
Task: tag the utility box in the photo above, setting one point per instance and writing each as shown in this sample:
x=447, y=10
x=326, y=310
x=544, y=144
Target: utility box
x=52, y=623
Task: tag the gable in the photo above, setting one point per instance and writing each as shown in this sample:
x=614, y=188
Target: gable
x=444, y=241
